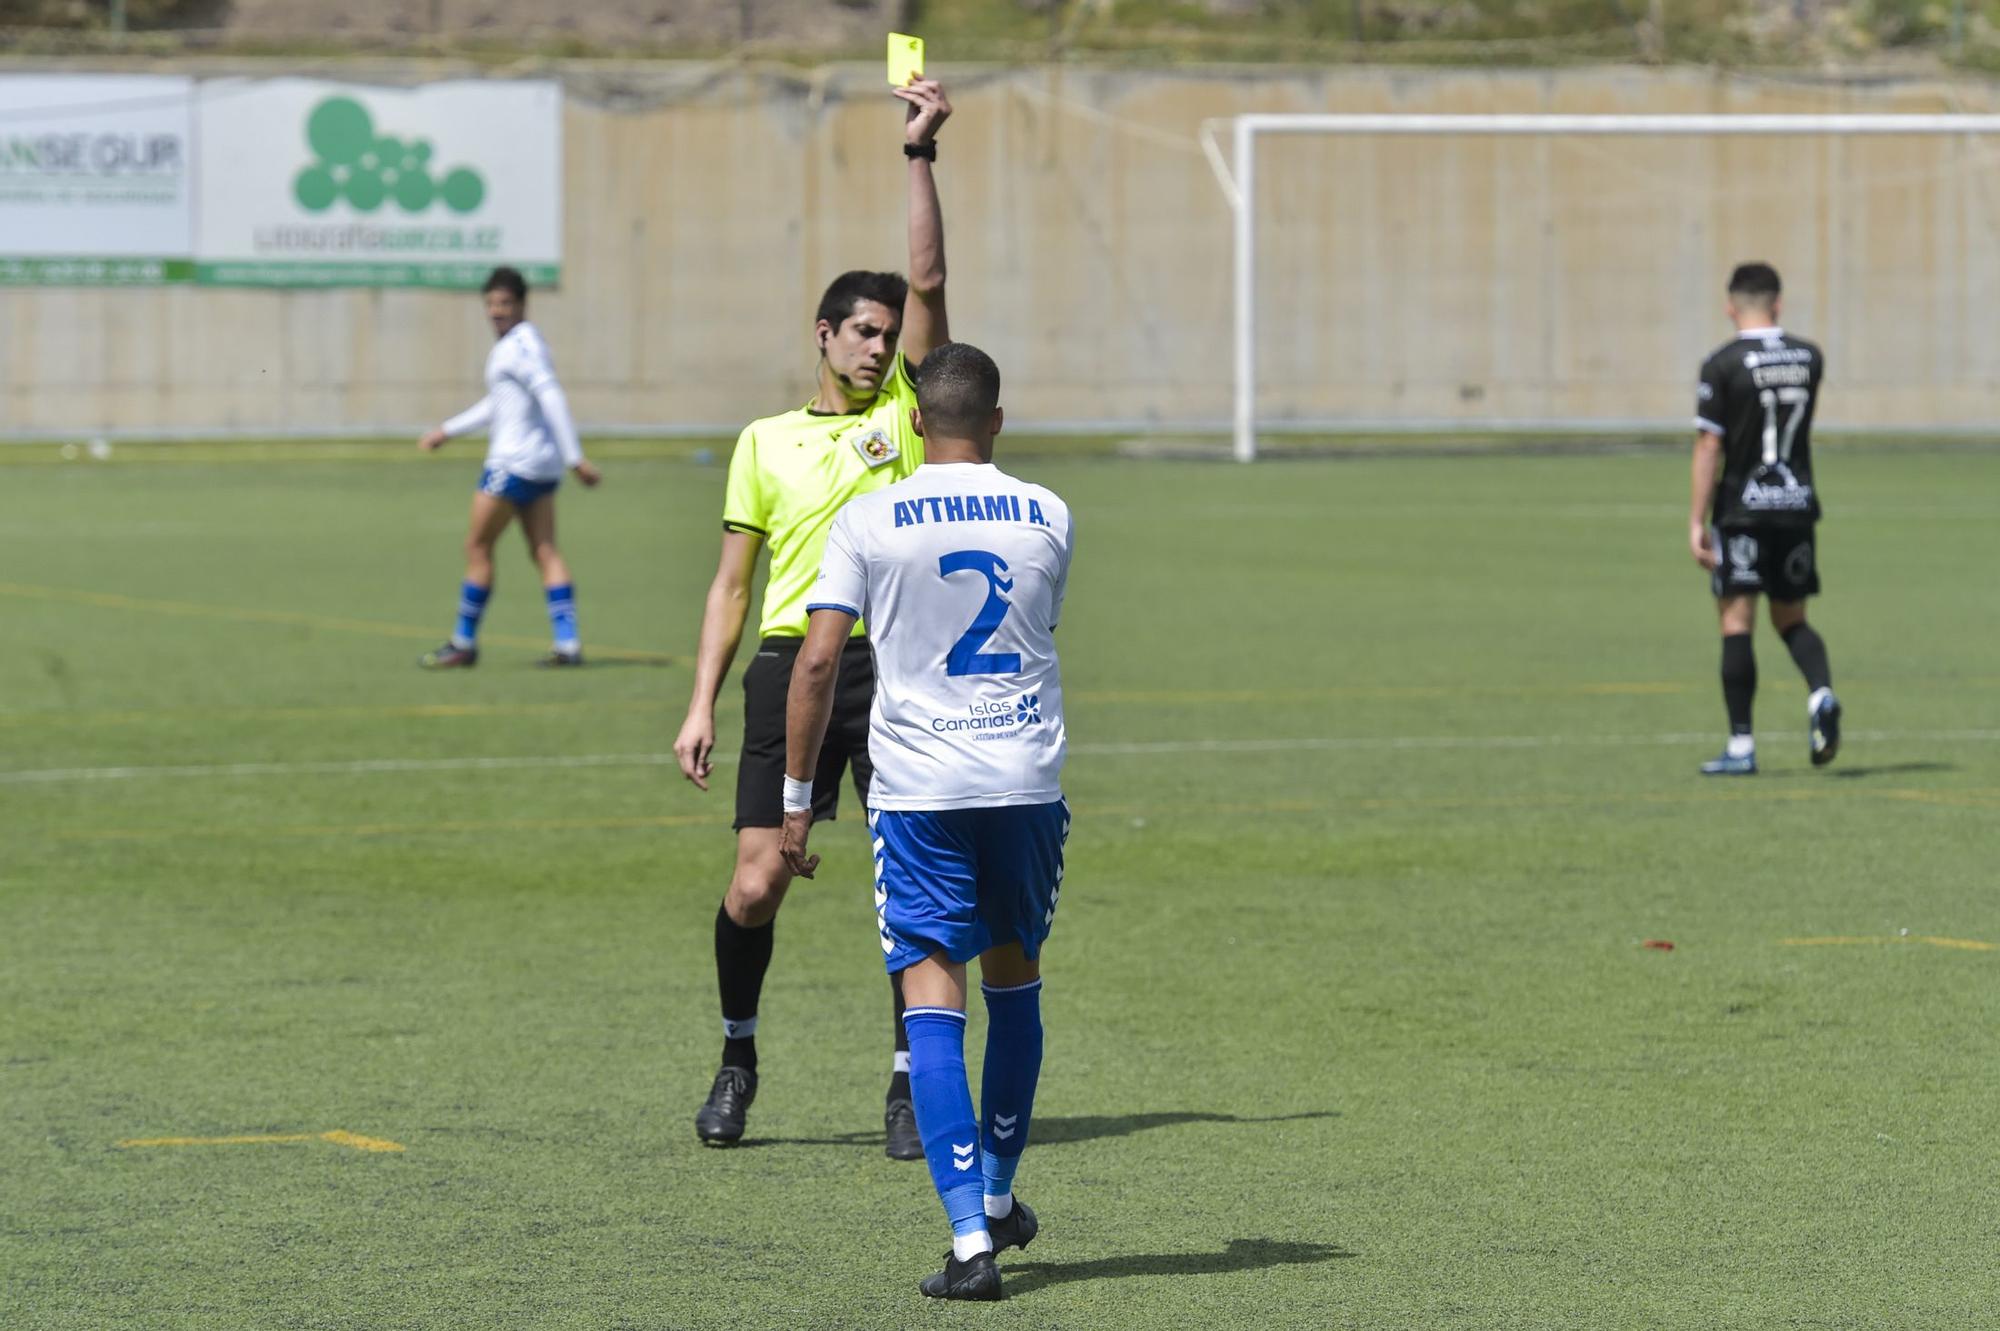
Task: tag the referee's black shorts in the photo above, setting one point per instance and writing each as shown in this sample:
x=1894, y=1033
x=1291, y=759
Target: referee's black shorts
x=760, y=778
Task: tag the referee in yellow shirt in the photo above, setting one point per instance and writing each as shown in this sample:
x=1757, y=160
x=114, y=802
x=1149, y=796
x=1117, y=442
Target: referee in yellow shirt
x=788, y=477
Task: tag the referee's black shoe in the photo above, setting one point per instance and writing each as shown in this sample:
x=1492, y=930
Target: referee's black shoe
x=899, y=1127
x=1016, y=1229
x=974, y=1278
x=720, y=1122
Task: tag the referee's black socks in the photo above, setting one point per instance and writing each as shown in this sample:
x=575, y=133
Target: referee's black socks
x=1809, y=651
x=1739, y=680
x=741, y=958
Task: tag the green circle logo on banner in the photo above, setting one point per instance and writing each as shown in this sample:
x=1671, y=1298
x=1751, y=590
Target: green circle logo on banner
x=368, y=169
x=339, y=130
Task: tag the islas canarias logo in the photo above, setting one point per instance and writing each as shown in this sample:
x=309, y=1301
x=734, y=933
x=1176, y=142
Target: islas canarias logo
x=355, y=163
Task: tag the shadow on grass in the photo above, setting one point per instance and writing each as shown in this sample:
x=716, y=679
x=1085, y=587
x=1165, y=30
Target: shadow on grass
x=1239, y=1255
x=621, y=661
x=1053, y=1131
x=1056, y=1130
x=871, y=1140
x=1855, y=773
x=1890, y=769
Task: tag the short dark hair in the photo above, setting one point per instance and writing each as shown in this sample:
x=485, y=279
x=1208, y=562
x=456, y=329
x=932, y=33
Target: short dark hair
x=1755, y=282
x=958, y=387
x=850, y=289
x=508, y=280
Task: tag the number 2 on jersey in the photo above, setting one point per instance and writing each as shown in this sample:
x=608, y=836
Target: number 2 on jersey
x=965, y=658
x=1778, y=448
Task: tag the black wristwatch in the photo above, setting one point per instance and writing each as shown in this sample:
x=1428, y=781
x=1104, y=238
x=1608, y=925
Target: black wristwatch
x=927, y=151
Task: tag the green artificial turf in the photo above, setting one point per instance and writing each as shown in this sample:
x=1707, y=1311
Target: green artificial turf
x=1384, y=775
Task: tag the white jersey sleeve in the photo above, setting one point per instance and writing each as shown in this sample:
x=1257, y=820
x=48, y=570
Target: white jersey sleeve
x=1062, y=578
x=843, y=574
x=475, y=417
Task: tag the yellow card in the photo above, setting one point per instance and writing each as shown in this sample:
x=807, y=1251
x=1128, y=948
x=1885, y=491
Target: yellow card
x=906, y=59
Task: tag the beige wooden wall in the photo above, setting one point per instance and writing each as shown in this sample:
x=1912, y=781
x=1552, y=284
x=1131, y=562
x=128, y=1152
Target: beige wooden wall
x=1463, y=279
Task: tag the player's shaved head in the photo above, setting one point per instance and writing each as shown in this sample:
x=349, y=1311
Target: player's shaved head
x=1755, y=284
x=850, y=289
x=958, y=390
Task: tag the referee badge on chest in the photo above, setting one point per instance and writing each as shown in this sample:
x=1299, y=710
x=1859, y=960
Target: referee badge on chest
x=875, y=447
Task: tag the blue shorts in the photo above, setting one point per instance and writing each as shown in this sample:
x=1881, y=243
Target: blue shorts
x=960, y=881
x=516, y=490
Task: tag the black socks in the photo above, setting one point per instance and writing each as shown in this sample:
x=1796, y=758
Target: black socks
x=741, y=958
x=1739, y=680
x=1809, y=651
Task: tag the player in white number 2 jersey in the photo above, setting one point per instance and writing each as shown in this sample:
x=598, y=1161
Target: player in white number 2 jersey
x=960, y=572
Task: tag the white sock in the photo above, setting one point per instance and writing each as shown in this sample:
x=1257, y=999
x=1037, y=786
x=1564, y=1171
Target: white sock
x=1000, y=1207
x=1816, y=697
x=965, y=1247
x=1742, y=746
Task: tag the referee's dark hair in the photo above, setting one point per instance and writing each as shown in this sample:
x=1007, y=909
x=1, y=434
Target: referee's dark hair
x=958, y=390
x=849, y=289
x=508, y=280
x=1755, y=283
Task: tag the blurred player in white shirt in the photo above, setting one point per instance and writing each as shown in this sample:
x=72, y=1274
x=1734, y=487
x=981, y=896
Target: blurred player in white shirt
x=533, y=442
x=960, y=571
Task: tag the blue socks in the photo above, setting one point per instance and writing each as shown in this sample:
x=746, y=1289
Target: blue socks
x=471, y=605
x=943, y=1101
x=562, y=617
x=1007, y=1089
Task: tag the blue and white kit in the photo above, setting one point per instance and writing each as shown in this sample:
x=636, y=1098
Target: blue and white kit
x=960, y=573
x=533, y=437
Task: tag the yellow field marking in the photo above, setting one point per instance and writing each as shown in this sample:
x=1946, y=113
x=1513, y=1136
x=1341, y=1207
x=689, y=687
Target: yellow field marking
x=401, y=829
x=390, y=711
x=150, y=605
x=1964, y=799
x=342, y=1138
x=338, y=1137
x=1963, y=944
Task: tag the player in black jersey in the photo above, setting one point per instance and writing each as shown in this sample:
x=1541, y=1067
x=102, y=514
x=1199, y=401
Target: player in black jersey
x=1753, y=508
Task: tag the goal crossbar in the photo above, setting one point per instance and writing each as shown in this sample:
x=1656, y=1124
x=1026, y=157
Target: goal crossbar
x=1237, y=177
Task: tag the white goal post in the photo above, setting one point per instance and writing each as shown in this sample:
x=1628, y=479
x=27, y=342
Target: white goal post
x=1238, y=179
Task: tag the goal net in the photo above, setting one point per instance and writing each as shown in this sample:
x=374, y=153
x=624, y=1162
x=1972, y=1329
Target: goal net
x=1474, y=273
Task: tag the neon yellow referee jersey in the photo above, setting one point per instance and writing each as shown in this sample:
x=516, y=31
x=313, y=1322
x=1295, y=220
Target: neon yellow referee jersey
x=790, y=474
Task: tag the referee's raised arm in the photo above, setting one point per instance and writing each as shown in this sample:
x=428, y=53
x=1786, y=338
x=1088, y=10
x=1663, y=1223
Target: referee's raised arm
x=924, y=325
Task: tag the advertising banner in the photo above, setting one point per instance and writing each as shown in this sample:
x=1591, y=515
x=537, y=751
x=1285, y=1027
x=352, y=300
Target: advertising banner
x=95, y=176
x=304, y=183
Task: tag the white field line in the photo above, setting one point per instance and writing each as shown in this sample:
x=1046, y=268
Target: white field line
x=1359, y=743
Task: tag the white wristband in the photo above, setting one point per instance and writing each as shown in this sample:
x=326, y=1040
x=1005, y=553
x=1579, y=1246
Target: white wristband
x=798, y=796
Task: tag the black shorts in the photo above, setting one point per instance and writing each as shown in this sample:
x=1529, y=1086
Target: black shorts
x=760, y=778
x=1779, y=562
